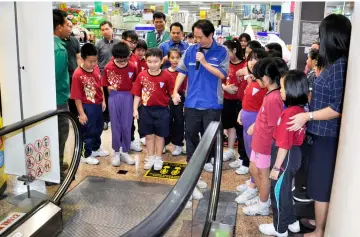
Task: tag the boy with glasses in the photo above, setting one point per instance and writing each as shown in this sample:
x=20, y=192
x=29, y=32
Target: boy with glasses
x=118, y=77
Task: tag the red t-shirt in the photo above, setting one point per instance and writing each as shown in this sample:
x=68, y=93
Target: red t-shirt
x=284, y=138
x=119, y=78
x=231, y=79
x=86, y=86
x=153, y=90
x=143, y=64
x=242, y=86
x=136, y=61
x=253, y=97
x=266, y=122
x=182, y=88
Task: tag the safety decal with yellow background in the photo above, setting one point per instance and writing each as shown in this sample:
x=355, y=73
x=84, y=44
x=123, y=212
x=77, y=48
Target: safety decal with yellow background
x=170, y=170
x=3, y=176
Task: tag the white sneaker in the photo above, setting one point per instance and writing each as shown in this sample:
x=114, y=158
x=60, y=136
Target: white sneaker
x=101, y=152
x=164, y=150
x=294, y=227
x=229, y=154
x=158, y=163
x=127, y=158
x=135, y=146
x=269, y=229
x=208, y=167
x=177, y=151
x=183, y=150
x=90, y=160
x=252, y=201
x=236, y=164
x=247, y=195
x=242, y=170
x=116, y=160
x=242, y=188
x=143, y=141
x=259, y=209
x=188, y=205
x=201, y=184
x=149, y=162
x=197, y=195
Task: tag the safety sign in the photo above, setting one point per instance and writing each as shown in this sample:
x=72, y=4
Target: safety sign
x=170, y=170
x=38, y=157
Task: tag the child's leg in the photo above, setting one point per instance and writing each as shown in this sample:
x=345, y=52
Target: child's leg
x=264, y=188
x=254, y=172
x=125, y=120
x=150, y=145
x=282, y=199
x=87, y=134
x=231, y=137
x=178, y=124
x=159, y=145
x=115, y=113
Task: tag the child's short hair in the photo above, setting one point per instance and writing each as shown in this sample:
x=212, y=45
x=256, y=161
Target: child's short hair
x=120, y=50
x=154, y=52
x=274, y=54
x=254, y=44
x=274, y=68
x=276, y=47
x=141, y=44
x=174, y=50
x=130, y=34
x=296, y=88
x=257, y=54
x=235, y=44
x=88, y=49
x=314, y=54
x=190, y=35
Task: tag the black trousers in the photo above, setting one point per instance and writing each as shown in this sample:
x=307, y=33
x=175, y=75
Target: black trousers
x=71, y=103
x=196, y=121
x=106, y=112
x=240, y=138
x=63, y=129
x=281, y=189
x=177, y=121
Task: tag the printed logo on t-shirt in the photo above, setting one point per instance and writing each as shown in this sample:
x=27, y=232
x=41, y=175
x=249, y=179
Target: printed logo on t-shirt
x=262, y=109
x=130, y=74
x=142, y=68
x=254, y=91
x=279, y=121
x=162, y=84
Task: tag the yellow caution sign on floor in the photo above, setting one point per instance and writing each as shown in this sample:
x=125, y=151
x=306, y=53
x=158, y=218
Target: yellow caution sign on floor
x=170, y=170
x=3, y=176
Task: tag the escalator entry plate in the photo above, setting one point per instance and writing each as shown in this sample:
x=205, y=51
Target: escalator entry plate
x=170, y=170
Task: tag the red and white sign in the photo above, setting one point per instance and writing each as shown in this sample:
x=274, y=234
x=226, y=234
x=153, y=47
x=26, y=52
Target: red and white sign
x=38, y=155
x=10, y=220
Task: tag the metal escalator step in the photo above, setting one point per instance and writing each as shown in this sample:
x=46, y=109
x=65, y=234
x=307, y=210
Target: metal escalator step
x=107, y=207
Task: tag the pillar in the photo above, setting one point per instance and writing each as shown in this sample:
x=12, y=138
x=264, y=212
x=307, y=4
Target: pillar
x=344, y=209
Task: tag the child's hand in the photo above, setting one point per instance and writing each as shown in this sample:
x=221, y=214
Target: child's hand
x=176, y=98
x=136, y=114
x=231, y=89
x=274, y=174
x=103, y=106
x=250, y=131
x=239, y=118
x=83, y=119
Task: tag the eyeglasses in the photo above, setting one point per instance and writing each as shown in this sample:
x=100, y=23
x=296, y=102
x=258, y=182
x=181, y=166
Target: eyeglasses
x=121, y=60
x=131, y=42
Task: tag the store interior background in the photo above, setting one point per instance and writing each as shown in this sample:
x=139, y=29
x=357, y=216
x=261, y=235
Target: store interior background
x=231, y=18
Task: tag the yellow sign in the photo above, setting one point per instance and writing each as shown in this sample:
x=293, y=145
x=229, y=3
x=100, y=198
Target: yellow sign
x=152, y=8
x=202, y=14
x=176, y=8
x=170, y=170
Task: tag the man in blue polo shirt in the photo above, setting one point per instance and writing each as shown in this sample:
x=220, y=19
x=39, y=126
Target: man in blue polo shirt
x=176, y=33
x=204, y=99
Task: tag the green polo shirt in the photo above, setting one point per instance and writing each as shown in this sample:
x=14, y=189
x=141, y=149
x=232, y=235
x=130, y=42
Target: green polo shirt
x=61, y=71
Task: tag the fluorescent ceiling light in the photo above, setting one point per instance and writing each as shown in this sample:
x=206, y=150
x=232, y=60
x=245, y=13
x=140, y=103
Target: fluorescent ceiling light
x=204, y=8
x=91, y=6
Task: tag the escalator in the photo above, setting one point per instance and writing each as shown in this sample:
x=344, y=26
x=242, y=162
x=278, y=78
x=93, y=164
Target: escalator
x=105, y=207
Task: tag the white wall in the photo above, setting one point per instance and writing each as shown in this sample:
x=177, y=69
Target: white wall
x=37, y=80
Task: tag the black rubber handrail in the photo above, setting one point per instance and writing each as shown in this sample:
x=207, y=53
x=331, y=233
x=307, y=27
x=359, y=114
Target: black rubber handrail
x=161, y=219
x=78, y=144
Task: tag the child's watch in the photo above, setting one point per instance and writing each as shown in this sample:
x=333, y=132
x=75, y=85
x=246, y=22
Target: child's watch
x=311, y=116
x=276, y=168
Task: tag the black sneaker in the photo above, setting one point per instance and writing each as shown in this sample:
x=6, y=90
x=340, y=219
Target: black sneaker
x=300, y=195
x=106, y=126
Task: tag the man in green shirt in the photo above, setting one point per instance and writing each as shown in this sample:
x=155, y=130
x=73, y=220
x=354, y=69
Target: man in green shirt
x=62, y=29
x=159, y=35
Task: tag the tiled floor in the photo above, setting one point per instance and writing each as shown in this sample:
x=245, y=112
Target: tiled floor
x=246, y=226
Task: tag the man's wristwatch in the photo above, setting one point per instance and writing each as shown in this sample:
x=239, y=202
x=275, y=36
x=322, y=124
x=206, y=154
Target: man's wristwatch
x=311, y=116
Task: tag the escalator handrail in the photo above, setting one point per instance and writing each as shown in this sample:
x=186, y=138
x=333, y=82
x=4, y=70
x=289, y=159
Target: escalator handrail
x=78, y=144
x=161, y=219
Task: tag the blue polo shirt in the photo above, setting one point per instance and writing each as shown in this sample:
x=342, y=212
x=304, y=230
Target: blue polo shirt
x=167, y=45
x=204, y=89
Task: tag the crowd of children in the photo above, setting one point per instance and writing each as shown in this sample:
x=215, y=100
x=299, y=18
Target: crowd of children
x=260, y=97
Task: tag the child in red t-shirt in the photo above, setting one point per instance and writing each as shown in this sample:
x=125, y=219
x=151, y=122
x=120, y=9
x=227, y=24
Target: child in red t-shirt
x=177, y=119
x=130, y=38
x=118, y=77
x=152, y=88
x=230, y=87
x=88, y=94
x=270, y=71
x=140, y=51
x=286, y=155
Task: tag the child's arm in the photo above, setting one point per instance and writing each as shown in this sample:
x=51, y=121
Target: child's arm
x=178, y=82
x=136, y=106
x=250, y=130
x=103, y=103
x=281, y=155
x=82, y=116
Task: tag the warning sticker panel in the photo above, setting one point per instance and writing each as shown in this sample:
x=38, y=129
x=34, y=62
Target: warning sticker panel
x=11, y=219
x=170, y=170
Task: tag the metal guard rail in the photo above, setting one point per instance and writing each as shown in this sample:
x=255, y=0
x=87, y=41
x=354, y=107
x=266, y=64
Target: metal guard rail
x=161, y=219
x=78, y=144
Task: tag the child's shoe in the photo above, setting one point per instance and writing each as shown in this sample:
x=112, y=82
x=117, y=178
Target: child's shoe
x=149, y=162
x=135, y=146
x=116, y=160
x=197, y=194
x=259, y=209
x=177, y=151
x=127, y=158
x=201, y=184
x=236, y=164
x=101, y=152
x=242, y=170
x=158, y=163
x=250, y=193
x=90, y=160
x=229, y=154
x=269, y=229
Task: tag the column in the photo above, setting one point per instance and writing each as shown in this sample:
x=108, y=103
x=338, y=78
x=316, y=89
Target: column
x=344, y=204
